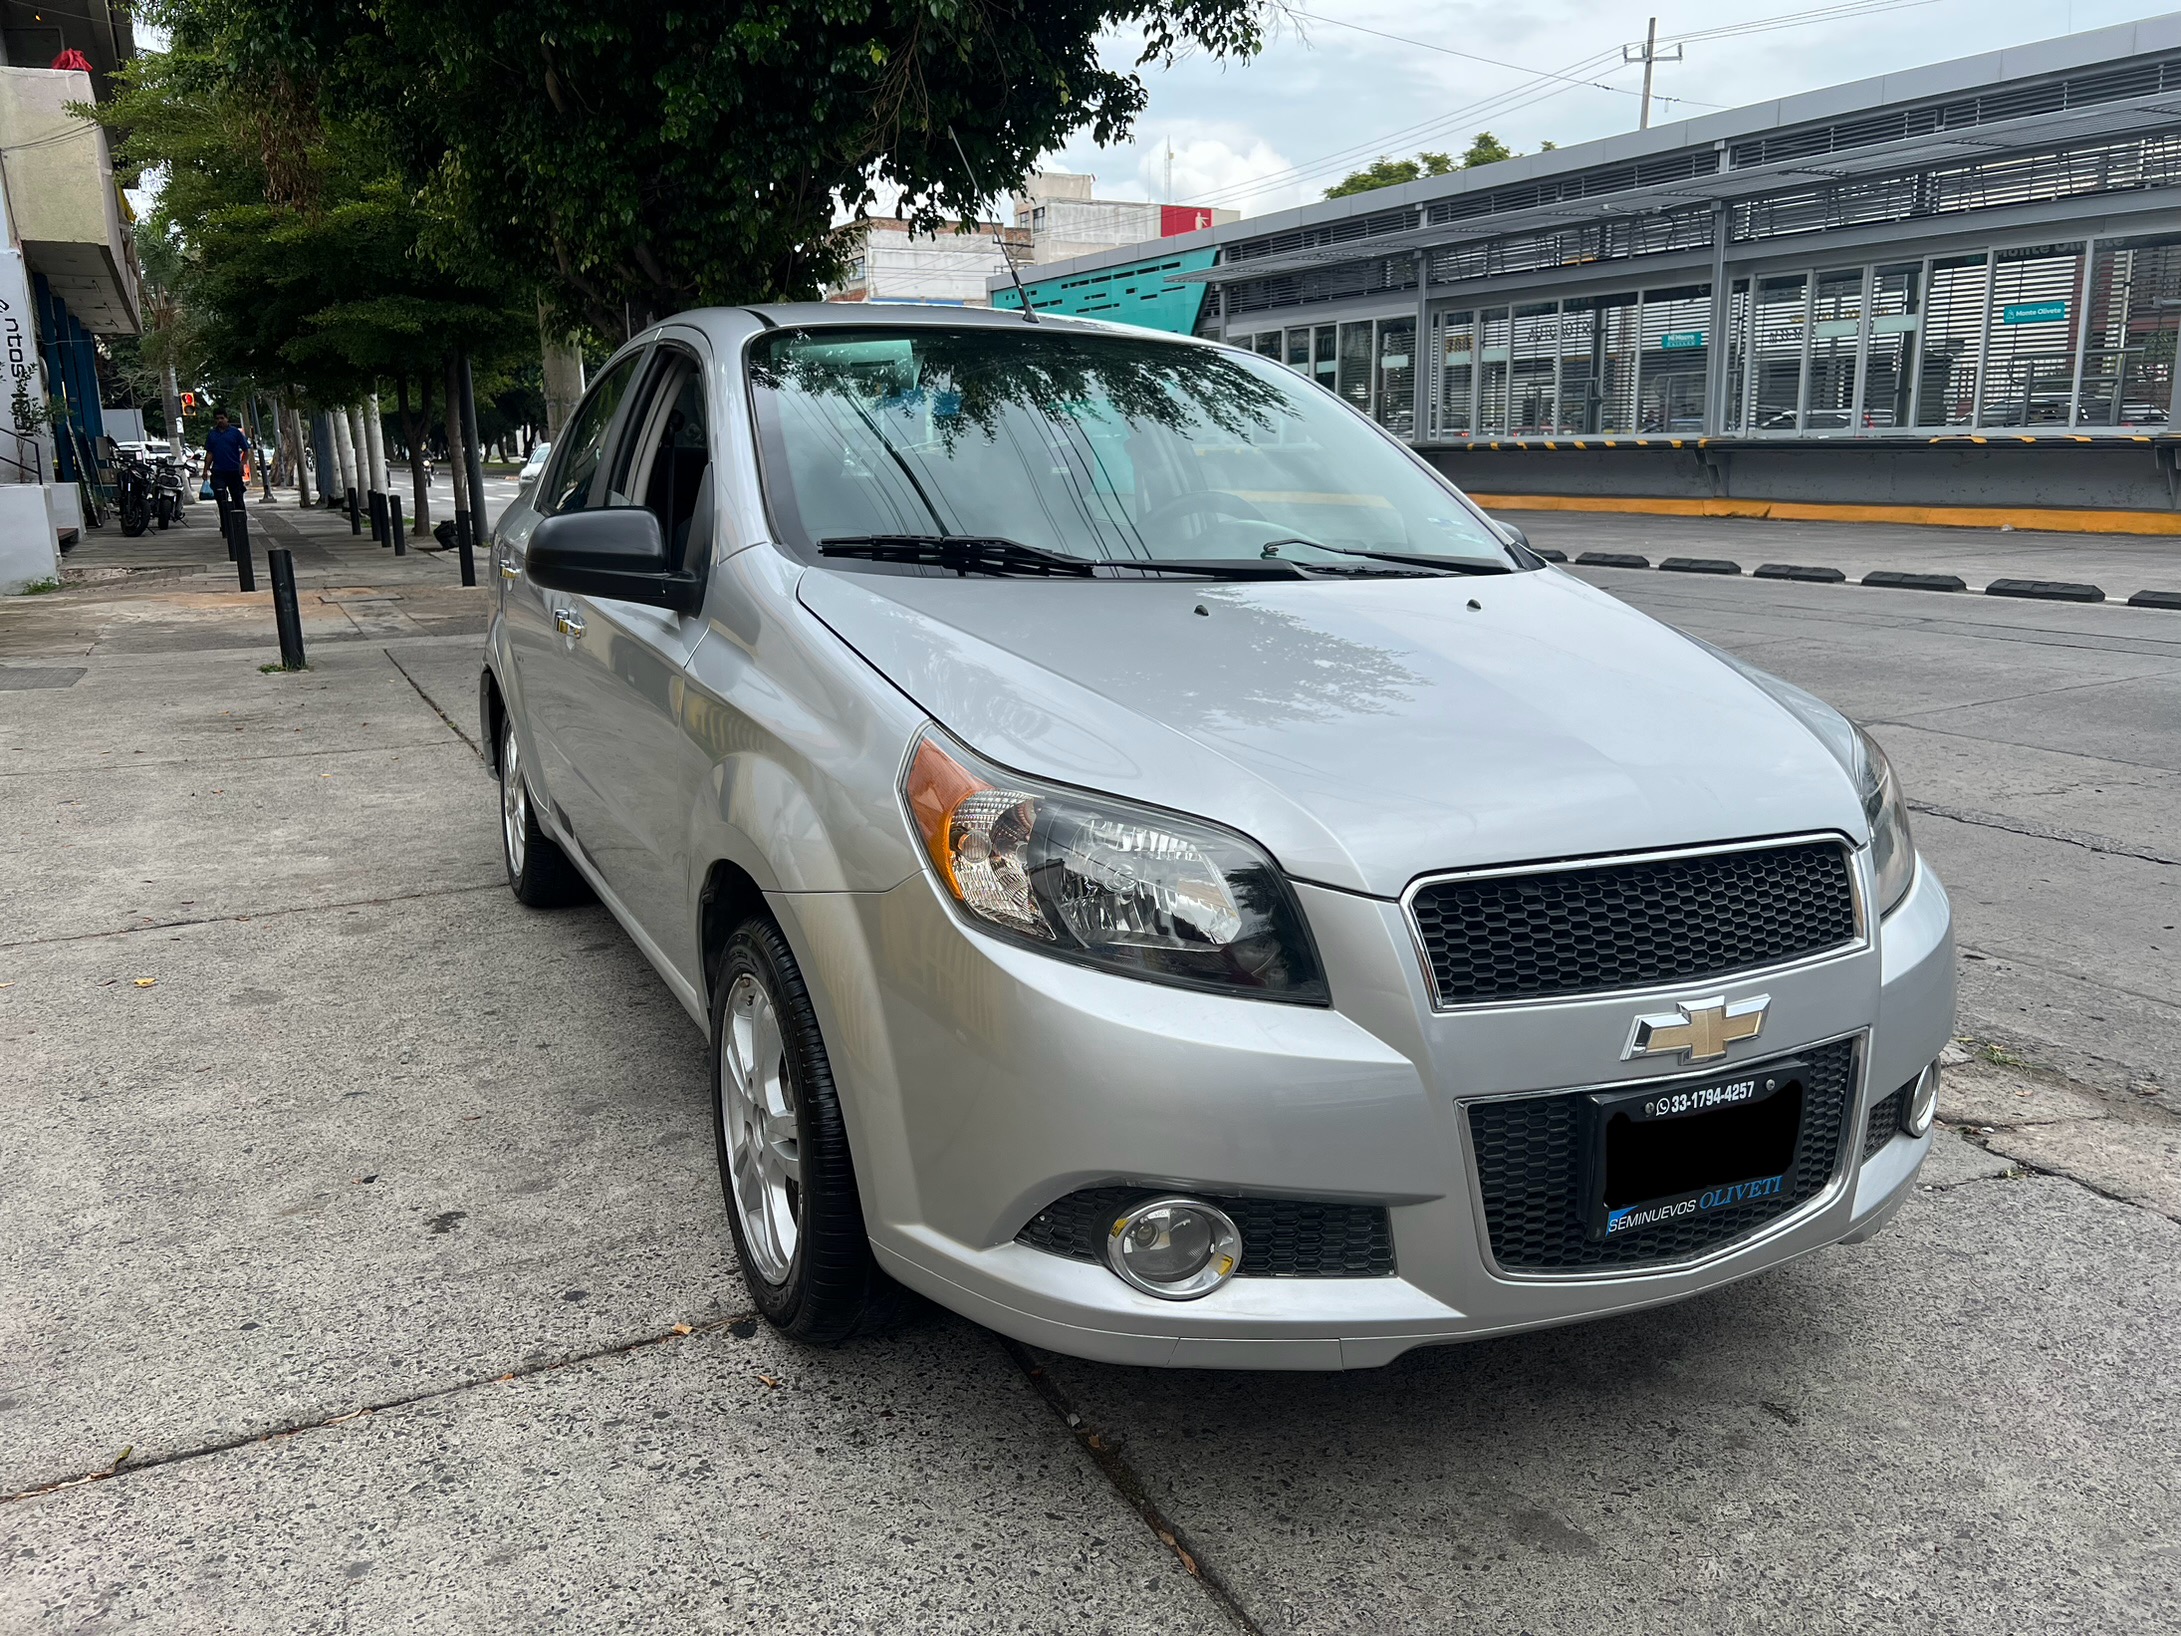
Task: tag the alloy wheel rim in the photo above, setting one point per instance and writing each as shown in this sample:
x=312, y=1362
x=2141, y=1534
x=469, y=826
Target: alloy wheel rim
x=514, y=803
x=757, y=1108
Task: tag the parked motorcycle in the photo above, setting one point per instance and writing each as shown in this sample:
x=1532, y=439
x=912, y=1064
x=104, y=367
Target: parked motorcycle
x=136, y=489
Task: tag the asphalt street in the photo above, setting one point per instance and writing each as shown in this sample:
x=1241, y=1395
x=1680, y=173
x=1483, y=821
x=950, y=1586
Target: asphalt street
x=362, y=1263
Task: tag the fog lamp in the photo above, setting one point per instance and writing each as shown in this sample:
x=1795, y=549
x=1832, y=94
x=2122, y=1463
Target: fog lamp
x=1923, y=1102
x=1176, y=1249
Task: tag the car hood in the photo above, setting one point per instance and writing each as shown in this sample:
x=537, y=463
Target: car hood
x=1366, y=732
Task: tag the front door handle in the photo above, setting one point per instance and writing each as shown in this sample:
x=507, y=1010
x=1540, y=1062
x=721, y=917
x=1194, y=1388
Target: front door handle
x=567, y=621
x=508, y=570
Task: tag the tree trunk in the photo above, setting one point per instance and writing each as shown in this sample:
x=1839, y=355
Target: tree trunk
x=173, y=394
x=414, y=431
x=457, y=472
x=563, y=361
x=344, y=455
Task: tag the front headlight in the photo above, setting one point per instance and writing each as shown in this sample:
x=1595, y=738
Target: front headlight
x=1089, y=878
x=1893, y=854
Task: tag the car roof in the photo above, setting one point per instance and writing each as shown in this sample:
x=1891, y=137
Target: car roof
x=725, y=323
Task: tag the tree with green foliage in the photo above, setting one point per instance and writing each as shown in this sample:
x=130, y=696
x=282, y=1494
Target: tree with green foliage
x=638, y=158
x=286, y=249
x=1485, y=149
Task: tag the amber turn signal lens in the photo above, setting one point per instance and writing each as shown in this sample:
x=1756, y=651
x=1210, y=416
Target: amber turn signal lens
x=937, y=785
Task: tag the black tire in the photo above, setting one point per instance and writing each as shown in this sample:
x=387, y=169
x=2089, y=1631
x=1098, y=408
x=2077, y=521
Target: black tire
x=135, y=513
x=832, y=1289
x=538, y=871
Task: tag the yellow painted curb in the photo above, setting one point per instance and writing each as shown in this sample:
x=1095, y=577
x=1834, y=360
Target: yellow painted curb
x=2044, y=519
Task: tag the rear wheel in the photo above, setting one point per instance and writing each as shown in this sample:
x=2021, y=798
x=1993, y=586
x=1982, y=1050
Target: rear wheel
x=135, y=510
x=783, y=1151
x=538, y=871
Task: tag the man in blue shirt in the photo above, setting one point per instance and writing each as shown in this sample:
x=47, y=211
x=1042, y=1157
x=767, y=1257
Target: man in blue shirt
x=229, y=452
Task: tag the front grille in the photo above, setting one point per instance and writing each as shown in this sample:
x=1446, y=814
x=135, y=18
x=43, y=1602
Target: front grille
x=1529, y=1160
x=1281, y=1238
x=1888, y=1118
x=1632, y=925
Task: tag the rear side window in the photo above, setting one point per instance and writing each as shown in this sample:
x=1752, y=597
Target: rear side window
x=573, y=482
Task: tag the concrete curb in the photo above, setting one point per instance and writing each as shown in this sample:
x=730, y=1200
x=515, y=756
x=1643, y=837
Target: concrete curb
x=2052, y=590
x=1886, y=579
x=1894, y=580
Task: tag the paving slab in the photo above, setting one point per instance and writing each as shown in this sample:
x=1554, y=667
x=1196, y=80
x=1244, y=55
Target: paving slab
x=1968, y=1424
x=2137, y=1162
x=1990, y=1094
x=333, y=1157
x=719, y=1482
x=1955, y=1159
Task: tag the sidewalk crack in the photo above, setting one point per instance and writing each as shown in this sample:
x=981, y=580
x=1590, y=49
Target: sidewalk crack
x=254, y=914
x=1122, y=1476
x=121, y=1468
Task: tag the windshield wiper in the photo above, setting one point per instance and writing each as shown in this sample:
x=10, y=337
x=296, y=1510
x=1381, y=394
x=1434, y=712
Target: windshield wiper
x=964, y=553
x=1411, y=559
x=1214, y=567
x=988, y=554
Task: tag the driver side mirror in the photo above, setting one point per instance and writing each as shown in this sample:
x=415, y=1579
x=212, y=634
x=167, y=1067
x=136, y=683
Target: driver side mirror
x=1515, y=536
x=617, y=553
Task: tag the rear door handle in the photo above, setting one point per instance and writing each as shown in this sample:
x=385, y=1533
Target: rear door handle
x=567, y=621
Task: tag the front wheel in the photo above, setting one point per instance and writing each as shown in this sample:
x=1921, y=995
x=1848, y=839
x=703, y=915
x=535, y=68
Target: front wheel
x=538, y=871
x=783, y=1151
x=135, y=512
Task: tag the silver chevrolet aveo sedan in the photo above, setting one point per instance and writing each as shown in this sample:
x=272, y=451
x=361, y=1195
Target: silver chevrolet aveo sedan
x=1166, y=876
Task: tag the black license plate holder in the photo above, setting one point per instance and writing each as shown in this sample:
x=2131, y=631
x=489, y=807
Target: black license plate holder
x=1684, y=1149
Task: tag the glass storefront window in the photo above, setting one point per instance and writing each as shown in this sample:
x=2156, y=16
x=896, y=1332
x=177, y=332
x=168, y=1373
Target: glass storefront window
x=1298, y=351
x=1950, y=343
x=2029, y=360
x=1676, y=350
x=1893, y=321
x=1457, y=372
x=1492, y=352
x=1354, y=382
x=1533, y=368
x=1836, y=335
x=2128, y=356
x=1324, y=357
x=1397, y=375
x=1268, y=343
x=1737, y=412
x=1779, y=328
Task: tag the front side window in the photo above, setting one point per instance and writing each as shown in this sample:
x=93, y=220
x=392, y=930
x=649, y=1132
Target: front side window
x=1109, y=448
x=665, y=462
x=573, y=482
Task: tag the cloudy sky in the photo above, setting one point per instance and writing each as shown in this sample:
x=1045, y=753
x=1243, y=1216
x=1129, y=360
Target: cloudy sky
x=1326, y=96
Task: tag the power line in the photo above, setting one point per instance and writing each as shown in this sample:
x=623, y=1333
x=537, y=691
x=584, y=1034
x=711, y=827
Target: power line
x=1507, y=101
x=1517, y=97
x=1470, y=56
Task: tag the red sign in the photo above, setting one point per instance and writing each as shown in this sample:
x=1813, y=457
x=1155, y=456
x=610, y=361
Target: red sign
x=1182, y=219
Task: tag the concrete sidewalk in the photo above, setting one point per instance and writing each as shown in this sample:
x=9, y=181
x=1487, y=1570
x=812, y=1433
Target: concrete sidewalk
x=363, y=1265
x=362, y=1229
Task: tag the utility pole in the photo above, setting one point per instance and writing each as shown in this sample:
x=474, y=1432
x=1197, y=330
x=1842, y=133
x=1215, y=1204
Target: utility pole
x=1650, y=59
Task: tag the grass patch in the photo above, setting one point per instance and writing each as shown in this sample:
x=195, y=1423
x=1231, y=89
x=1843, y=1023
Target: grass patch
x=40, y=587
x=280, y=670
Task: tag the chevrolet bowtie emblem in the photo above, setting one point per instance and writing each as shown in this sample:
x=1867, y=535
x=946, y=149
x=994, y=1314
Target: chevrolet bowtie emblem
x=1699, y=1030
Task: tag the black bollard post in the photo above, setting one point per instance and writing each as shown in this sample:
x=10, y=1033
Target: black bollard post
x=401, y=534
x=355, y=511
x=285, y=613
x=462, y=539
x=238, y=547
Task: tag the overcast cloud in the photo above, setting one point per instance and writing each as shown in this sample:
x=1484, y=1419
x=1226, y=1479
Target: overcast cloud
x=1324, y=98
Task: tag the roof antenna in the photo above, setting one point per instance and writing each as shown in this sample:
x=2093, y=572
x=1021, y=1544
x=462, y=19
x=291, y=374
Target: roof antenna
x=998, y=236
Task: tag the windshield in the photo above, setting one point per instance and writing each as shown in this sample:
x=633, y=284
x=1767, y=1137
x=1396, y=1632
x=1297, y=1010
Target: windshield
x=1106, y=448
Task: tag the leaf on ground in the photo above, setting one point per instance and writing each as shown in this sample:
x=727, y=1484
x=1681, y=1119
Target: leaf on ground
x=681, y=1329
x=769, y=1381
x=146, y=982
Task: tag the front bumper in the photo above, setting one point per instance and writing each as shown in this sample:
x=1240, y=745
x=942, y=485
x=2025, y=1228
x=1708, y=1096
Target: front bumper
x=982, y=1081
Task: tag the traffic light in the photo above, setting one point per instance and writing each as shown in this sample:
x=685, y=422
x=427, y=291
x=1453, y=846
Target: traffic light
x=189, y=400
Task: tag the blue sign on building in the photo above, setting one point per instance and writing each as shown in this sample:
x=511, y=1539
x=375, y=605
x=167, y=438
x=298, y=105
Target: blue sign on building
x=2033, y=312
